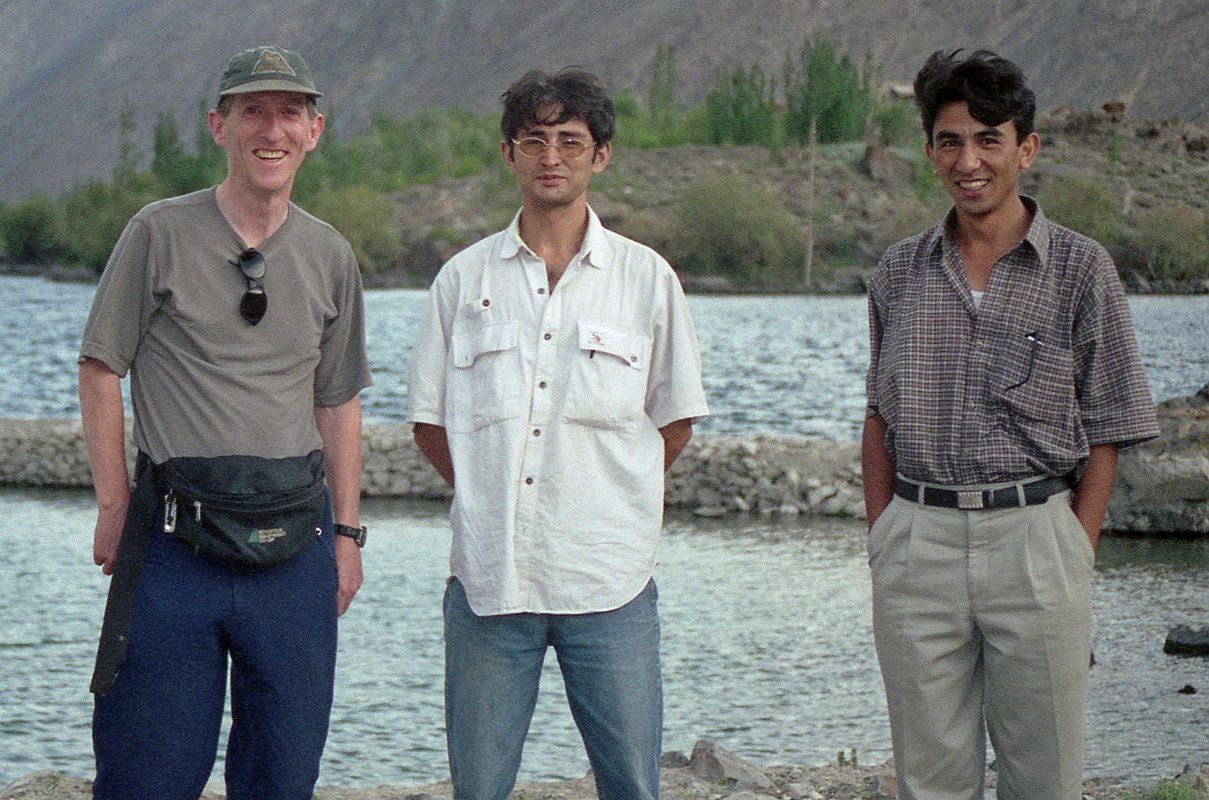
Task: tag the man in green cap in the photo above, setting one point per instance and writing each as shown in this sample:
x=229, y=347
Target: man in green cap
x=240, y=320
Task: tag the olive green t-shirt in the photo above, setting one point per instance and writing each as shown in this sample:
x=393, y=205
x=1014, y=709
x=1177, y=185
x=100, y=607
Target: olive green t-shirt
x=203, y=382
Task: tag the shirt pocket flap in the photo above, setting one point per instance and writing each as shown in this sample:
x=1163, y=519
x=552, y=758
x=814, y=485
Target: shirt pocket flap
x=489, y=338
x=597, y=338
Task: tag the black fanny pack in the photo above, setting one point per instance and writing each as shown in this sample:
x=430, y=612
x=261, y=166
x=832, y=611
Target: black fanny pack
x=243, y=510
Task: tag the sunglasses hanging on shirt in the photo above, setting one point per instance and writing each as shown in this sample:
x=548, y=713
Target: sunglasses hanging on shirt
x=254, y=302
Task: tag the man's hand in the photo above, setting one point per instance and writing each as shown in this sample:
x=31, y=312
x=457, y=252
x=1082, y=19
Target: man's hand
x=675, y=436
x=348, y=568
x=1092, y=493
x=434, y=444
x=340, y=428
x=877, y=470
x=106, y=536
x=104, y=435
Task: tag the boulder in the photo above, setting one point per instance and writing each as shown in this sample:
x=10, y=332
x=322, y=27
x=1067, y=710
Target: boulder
x=715, y=764
x=1163, y=485
x=1183, y=640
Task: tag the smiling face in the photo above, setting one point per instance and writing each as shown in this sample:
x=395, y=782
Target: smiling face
x=980, y=164
x=551, y=180
x=266, y=136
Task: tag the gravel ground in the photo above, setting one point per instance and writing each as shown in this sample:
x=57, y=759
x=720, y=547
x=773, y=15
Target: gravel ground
x=711, y=774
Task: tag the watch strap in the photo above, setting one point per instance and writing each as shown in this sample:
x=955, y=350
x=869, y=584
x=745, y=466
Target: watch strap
x=358, y=534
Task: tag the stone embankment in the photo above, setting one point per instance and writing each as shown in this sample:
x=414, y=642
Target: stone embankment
x=716, y=475
x=1162, y=486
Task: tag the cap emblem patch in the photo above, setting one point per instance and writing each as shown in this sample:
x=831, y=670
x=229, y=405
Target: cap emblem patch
x=272, y=61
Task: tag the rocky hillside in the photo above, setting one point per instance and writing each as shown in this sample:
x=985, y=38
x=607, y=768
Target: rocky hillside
x=67, y=68
x=1114, y=178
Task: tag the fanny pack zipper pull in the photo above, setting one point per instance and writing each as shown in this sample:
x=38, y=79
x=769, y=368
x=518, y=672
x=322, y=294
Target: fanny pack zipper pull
x=197, y=510
x=169, y=513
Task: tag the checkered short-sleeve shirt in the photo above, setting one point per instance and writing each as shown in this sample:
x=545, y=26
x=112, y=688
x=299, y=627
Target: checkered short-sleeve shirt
x=1022, y=385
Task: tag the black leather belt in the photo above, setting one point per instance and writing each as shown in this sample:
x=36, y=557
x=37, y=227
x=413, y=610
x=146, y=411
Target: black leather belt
x=1031, y=493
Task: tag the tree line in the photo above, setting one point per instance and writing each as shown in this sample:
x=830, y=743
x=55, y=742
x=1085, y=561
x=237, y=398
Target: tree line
x=348, y=180
x=717, y=226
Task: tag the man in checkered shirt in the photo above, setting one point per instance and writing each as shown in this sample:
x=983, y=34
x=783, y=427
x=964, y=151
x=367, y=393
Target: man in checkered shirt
x=1003, y=378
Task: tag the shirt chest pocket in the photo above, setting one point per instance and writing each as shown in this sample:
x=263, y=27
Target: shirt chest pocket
x=1035, y=389
x=485, y=377
x=1035, y=379
x=608, y=378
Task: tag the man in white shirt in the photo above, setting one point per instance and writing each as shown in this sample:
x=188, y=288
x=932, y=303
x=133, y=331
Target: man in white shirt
x=556, y=376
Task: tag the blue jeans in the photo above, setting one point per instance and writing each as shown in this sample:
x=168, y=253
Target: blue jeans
x=610, y=666
x=155, y=732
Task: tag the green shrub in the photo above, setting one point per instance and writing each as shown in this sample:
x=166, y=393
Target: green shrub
x=1177, y=790
x=826, y=88
x=1175, y=238
x=365, y=217
x=924, y=182
x=1084, y=204
x=653, y=228
x=726, y=226
x=396, y=152
x=177, y=171
x=96, y=213
x=32, y=230
x=741, y=108
x=896, y=120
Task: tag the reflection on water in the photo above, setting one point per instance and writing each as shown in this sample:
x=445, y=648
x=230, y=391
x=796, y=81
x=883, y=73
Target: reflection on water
x=767, y=648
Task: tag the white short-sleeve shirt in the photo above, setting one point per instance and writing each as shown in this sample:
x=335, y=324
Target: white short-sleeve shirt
x=552, y=404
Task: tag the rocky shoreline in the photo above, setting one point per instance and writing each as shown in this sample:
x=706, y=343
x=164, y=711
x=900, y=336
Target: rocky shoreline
x=709, y=773
x=1162, y=486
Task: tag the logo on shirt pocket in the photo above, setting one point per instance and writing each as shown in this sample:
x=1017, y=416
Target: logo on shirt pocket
x=608, y=377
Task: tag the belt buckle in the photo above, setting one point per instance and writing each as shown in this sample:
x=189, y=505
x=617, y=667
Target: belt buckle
x=969, y=501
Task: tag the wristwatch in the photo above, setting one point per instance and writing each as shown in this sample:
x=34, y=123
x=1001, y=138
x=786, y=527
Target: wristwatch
x=356, y=534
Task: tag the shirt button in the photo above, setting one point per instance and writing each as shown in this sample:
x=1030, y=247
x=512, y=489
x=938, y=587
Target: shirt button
x=486, y=302
x=537, y=431
x=528, y=481
x=541, y=385
x=541, y=291
x=547, y=336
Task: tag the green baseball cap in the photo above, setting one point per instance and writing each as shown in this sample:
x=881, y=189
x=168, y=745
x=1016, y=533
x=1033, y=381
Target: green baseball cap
x=267, y=69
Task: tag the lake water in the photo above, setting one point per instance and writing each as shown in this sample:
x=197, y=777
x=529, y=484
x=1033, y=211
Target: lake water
x=767, y=648
x=785, y=364
x=767, y=643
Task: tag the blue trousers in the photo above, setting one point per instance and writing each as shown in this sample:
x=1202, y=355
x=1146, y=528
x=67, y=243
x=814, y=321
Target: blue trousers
x=155, y=733
x=610, y=667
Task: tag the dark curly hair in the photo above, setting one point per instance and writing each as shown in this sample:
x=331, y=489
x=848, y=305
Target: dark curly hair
x=575, y=90
x=990, y=85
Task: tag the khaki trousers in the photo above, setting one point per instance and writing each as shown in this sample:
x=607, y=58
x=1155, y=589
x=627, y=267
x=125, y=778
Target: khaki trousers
x=982, y=623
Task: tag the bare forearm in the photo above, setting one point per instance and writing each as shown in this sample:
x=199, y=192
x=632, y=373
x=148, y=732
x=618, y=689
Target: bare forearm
x=434, y=445
x=1094, y=489
x=105, y=437
x=104, y=422
x=877, y=470
x=340, y=428
x=675, y=436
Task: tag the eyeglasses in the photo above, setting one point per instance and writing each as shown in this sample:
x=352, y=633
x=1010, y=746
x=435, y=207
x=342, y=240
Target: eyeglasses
x=255, y=302
x=534, y=147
